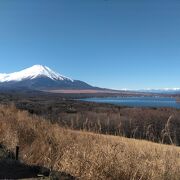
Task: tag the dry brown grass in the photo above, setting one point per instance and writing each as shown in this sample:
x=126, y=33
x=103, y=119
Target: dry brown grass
x=86, y=155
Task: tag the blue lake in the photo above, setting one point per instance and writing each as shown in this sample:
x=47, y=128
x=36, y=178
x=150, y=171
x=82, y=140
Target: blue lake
x=138, y=101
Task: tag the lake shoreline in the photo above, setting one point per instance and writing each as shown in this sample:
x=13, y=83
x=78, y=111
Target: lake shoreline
x=147, y=102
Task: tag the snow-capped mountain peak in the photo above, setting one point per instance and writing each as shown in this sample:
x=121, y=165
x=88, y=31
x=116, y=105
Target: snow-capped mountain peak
x=32, y=73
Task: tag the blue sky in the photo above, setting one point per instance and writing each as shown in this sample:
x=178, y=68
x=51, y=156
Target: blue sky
x=118, y=44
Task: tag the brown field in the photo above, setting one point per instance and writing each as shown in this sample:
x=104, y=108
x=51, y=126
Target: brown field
x=83, y=154
x=154, y=124
x=87, y=91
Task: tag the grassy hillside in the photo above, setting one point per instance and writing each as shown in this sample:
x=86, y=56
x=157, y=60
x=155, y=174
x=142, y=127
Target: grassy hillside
x=86, y=155
x=153, y=124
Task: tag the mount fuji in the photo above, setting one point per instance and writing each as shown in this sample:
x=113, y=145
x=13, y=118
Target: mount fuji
x=40, y=77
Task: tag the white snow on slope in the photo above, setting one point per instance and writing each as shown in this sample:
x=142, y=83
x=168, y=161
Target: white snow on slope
x=32, y=73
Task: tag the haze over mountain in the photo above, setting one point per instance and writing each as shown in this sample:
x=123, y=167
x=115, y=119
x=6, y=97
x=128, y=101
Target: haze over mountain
x=40, y=77
x=161, y=90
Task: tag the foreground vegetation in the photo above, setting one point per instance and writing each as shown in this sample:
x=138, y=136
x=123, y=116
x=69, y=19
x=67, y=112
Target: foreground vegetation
x=83, y=154
x=160, y=125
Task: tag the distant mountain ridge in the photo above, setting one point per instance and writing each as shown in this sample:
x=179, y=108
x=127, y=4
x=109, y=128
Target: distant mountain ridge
x=40, y=77
x=162, y=90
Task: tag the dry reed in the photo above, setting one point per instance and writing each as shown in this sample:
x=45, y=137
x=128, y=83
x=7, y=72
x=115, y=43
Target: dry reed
x=86, y=155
